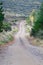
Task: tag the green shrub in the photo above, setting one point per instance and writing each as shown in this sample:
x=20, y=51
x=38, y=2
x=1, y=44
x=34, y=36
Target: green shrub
x=10, y=37
x=6, y=26
x=15, y=30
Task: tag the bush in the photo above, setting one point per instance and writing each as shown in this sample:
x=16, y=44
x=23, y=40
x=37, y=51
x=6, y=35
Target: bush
x=6, y=26
x=15, y=30
x=10, y=37
x=5, y=37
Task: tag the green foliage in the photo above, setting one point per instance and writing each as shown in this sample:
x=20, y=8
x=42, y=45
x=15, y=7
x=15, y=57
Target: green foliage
x=6, y=37
x=32, y=32
x=38, y=24
x=1, y=17
x=27, y=30
x=28, y=20
x=6, y=26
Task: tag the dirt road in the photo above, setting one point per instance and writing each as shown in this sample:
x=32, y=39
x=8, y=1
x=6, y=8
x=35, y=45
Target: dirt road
x=21, y=52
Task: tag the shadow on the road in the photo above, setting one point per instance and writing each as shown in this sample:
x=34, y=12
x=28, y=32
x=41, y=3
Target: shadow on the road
x=21, y=40
x=22, y=43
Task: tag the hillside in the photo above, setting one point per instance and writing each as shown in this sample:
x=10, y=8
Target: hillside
x=21, y=6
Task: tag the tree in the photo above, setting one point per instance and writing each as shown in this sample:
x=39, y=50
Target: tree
x=1, y=16
x=31, y=18
x=38, y=24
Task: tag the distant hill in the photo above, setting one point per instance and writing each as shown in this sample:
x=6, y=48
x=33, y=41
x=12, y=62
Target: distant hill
x=21, y=6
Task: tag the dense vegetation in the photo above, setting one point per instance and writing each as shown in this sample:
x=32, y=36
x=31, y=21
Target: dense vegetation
x=6, y=26
x=6, y=29
x=3, y=25
x=36, y=22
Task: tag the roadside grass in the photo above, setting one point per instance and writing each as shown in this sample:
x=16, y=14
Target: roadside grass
x=15, y=30
x=6, y=37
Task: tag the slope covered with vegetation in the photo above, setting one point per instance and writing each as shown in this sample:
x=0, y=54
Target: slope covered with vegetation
x=35, y=21
x=21, y=6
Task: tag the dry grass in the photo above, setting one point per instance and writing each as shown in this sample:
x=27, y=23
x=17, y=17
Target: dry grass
x=35, y=41
x=5, y=37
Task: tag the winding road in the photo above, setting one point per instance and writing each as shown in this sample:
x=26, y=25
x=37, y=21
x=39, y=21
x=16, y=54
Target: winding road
x=21, y=52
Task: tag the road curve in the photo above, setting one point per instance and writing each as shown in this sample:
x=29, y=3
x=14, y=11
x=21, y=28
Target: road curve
x=21, y=52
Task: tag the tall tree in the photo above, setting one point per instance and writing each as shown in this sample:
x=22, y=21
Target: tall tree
x=1, y=16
